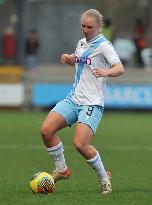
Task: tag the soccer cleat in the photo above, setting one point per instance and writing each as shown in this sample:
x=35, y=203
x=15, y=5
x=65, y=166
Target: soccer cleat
x=61, y=175
x=106, y=187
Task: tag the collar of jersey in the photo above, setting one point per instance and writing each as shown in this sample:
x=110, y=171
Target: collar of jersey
x=92, y=40
x=95, y=38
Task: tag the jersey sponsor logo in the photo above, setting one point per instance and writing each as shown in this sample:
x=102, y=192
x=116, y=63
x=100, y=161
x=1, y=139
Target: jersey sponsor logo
x=83, y=60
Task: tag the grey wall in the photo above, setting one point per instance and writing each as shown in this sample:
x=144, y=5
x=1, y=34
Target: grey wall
x=58, y=27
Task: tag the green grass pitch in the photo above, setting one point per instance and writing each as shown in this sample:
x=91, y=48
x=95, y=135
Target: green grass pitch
x=124, y=139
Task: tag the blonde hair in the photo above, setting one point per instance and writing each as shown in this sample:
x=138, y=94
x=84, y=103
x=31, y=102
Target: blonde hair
x=94, y=13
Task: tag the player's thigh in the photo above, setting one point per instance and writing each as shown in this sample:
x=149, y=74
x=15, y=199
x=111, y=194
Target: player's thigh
x=62, y=115
x=53, y=122
x=83, y=134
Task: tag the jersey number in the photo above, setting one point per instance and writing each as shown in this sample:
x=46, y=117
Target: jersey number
x=90, y=110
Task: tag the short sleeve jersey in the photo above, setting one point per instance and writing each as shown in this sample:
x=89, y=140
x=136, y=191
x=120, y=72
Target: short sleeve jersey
x=96, y=53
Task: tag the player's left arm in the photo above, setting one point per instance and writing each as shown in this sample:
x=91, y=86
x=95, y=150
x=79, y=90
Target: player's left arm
x=115, y=70
x=111, y=56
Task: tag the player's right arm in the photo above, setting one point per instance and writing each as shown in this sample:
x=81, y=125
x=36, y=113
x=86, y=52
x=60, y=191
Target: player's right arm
x=69, y=59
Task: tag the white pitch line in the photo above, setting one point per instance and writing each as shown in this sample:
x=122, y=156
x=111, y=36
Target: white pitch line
x=115, y=148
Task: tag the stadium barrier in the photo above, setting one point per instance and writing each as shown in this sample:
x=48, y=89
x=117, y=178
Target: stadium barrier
x=118, y=96
x=11, y=86
x=11, y=74
x=45, y=94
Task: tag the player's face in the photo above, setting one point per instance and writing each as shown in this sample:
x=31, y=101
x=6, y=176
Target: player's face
x=90, y=27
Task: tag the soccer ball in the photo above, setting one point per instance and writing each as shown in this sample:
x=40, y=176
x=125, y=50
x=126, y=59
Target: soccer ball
x=42, y=182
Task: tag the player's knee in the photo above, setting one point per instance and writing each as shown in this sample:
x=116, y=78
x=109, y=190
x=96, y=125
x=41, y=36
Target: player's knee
x=46, y=132
x=78, y=145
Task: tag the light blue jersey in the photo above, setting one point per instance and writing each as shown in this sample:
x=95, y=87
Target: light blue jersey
x=94, y=54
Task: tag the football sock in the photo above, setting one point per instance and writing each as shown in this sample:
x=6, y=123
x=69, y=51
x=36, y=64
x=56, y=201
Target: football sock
x=97, y=165
x=57, y=154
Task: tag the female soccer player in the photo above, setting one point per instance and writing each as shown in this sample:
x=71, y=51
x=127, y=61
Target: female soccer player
x=95, y=59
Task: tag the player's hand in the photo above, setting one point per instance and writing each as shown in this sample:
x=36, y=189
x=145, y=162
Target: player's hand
x=64, y=58
x=101, y=73
x=69, y=59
